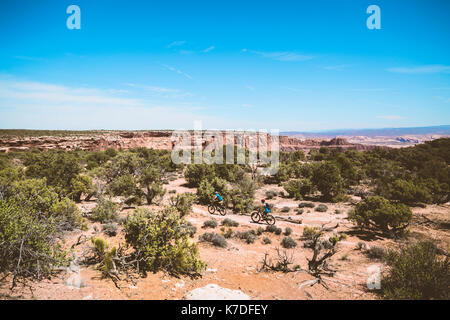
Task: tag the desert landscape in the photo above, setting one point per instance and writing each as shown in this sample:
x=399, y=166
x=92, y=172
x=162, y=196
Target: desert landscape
x=258, y=154
x=93, y=188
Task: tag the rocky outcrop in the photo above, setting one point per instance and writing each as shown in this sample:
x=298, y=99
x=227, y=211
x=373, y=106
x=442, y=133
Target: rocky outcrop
x=163, y=140
x=407, y=140
x=293, y=144
x=95, y=142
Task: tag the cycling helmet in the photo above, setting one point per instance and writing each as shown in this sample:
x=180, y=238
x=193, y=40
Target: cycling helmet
x=263, y=200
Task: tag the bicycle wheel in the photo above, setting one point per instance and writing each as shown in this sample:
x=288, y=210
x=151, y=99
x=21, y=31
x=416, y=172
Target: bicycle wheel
x=270, y=220
x=256, y=217
x=211, y=209
x=222, y=211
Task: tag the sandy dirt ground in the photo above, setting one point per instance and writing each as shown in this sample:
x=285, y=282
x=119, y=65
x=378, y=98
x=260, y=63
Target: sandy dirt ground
x=237, y=266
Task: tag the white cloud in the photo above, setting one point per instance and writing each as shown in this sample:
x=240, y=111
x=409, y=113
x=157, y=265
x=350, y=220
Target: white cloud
x=209, y=49
x=152, y=88
x=297, y=90
x=29, y=92
x=443, y=99
x=421, y=69
x=177, y=71
x=27, y=58
x=38, y=105
x=441, y=88
x=337, y=67
x=368, y=89
x=390, y=117
x=281, y=55
x=176, y=44
x=162, y=92
x=186, y=52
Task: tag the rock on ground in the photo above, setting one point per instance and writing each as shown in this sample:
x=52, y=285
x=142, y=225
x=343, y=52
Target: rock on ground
x=215, y=292
x=75, y=281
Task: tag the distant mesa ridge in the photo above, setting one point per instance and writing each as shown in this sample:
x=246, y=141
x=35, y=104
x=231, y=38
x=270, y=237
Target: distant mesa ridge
x=383, y=132
x=156, y=139
x=364, y=139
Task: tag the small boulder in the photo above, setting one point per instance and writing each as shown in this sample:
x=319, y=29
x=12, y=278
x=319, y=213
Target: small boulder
x=75, y=281
x=215, y=292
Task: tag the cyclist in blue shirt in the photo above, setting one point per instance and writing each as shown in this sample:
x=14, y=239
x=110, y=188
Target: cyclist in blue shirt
x=218, y=197
x=266, y=206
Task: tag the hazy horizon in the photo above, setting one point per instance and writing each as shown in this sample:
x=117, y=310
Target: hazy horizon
x=336, y=130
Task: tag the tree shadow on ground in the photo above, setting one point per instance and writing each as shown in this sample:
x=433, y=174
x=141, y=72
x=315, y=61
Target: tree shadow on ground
x=187, y=185
x=365, y=235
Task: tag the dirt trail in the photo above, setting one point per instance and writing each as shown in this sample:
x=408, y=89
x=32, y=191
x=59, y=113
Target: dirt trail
x=310, y=221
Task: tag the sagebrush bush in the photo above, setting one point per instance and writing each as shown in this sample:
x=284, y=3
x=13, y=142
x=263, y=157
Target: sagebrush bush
x=321, y=208
x=274, y=229
x=288, y=243
x=251, y=238
x=266, y=240
x=122, y=220
x=209, y=224
x=105, y=211
x=361, y=245
x=230, y=223
x=110, y=229
x=287, y=231
x=189, y=228
x=285, y=209
x=161, y=242
x=259, y=231
x=376, y=253
x=417, y=272
x=378, y=214
x=248, y=236
x=270, y=194
x=214, y=238
x=306, y=205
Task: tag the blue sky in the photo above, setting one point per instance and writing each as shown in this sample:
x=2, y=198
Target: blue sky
x=288, y=65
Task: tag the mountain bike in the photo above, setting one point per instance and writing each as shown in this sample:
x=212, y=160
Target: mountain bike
x=260, y=214
x=215, y=206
